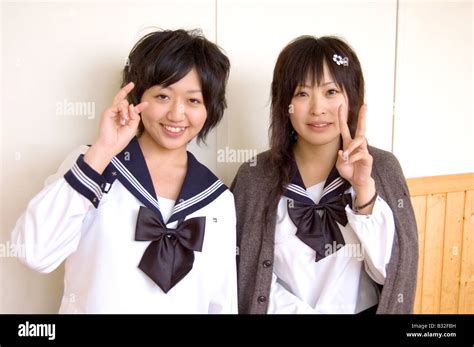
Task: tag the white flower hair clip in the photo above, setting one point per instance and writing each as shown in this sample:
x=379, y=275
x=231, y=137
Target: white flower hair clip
x=340, y=60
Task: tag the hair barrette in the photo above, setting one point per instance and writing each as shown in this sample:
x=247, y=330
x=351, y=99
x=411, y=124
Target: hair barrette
x=340, y=60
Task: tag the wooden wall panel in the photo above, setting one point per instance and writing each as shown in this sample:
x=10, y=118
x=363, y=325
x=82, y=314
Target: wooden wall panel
x=444, y=210
x=433, y=254
x=452, y=252
x=466, y=297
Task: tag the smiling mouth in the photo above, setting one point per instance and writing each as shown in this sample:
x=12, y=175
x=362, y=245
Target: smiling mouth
x=175, y=130
x=320, y=125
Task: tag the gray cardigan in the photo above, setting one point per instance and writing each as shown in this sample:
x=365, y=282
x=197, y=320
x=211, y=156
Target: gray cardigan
x=255, y=237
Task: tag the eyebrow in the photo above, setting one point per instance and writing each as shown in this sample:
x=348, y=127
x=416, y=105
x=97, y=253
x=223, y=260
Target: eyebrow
x=188, y=91
x=322, y=85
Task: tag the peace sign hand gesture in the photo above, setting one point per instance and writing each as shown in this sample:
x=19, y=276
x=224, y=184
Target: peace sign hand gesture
x=354, y=162
x=118, y=125
x=119, y=122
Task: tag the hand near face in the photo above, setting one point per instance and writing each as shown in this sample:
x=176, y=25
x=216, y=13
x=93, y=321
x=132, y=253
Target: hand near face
x=119, y=122
x=118, y=125
x=354, y=162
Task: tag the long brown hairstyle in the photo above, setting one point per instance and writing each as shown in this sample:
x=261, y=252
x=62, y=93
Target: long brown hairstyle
x=301, y=59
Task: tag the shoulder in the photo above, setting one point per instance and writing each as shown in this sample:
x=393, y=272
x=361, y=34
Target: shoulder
x=385, y=162
x=388, y=175
x=201, y=178
x=254, y=178
x=225, y=199
x=256, y=168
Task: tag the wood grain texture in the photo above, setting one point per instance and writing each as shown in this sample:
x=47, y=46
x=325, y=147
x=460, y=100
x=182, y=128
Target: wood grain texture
x=444, y=211
x=466, y=293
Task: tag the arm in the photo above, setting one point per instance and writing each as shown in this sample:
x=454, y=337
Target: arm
x=375, y=232
x=398, y=292
x=49, y=229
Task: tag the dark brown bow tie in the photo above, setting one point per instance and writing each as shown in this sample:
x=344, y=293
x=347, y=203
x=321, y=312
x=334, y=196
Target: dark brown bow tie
x=170, y=255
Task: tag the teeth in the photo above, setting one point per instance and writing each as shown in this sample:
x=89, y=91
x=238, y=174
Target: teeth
x=173, y=129
x=321, y=125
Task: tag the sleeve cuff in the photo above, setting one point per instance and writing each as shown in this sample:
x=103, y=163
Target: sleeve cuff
x=376, y=210
x=86, y=181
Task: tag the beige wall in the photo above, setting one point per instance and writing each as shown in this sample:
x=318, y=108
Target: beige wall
x=419, y=87
x=434, y=123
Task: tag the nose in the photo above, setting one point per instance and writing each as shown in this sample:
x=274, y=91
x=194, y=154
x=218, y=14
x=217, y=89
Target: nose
x=176, y=111
x=318, y=105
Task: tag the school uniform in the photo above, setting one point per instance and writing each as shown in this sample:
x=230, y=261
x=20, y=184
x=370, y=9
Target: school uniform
x=280, y=272
x=127, y=250
x=328, y=268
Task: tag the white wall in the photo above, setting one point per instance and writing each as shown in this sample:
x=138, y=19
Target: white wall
x=57, y=51
x=265, y=27
x=434, y=126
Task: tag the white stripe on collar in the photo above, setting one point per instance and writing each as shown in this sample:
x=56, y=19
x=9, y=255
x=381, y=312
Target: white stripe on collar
x=197, y=198
x=298, y=190
x=331, y=187
x=334, y=185
x=134, y=182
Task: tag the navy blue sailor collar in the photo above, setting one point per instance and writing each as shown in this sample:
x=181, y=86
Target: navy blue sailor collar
x=333, y=186
x=200, y=186
x=317, y=223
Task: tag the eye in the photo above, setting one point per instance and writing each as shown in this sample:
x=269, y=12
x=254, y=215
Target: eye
x=301, y=94
x=195, y=101
x=162, y=97
x=332, y=91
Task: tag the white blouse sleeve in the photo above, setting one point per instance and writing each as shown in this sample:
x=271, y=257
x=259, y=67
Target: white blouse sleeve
x=49, y=229
x=284, y=302
x=375, y=233
x=224, y=299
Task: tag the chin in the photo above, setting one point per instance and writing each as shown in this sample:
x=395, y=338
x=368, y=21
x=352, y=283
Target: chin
x=173, y=145
x=169, y=144
x=319, y=140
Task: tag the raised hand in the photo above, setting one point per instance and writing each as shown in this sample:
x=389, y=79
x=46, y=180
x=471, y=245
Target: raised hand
x=354, y=162
x=118, y=125
x=119, y=122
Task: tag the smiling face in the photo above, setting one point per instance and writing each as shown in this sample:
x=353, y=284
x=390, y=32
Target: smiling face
x=314, y=111
x=176, y=113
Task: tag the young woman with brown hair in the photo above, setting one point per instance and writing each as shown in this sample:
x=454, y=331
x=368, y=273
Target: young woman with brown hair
x=324, y=221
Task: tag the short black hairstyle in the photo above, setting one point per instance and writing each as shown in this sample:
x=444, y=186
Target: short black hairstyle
x=164, y=57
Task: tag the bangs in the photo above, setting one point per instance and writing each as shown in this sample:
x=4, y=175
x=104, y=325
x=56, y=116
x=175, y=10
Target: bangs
x=163, y=59
x=168, y=73
x=168, y=66
x=306, y=64
x=310, y=70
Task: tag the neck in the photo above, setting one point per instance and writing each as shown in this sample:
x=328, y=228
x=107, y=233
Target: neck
x=156, y=155
x=315, y=161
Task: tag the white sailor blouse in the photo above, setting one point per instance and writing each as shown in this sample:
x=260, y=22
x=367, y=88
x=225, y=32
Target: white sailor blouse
x=327, y=258
x=127, y=250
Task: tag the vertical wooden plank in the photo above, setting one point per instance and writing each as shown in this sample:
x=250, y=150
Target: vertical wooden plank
x=466, y=292
x=433, y=259
x=419, y=207
x=453, y=231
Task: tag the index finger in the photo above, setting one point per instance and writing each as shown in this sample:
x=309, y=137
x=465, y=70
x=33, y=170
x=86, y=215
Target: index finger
x=122, y=94
x=344, y=128
x=360, y=131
